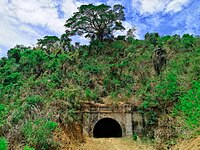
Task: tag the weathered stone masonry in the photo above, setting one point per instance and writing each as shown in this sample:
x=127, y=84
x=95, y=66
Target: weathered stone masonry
x=127, y=115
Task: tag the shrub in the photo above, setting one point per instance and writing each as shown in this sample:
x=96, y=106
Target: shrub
x=3, y=143
x=12, y=78
x=17, y=116
x=28, y=148
x=189, y=106
x=34, y=100
x=135, y=136
x=2, y=107
x=167, y=90
x=38, y=133
x=90, y=95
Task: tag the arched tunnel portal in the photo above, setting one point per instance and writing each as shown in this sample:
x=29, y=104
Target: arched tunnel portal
x=106, y=128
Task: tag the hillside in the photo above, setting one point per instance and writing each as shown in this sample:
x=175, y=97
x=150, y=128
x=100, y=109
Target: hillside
x=40, y=87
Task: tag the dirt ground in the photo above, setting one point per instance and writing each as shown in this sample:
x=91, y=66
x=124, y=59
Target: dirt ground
x=113, y=144
x=193, y=144
x=67, y=143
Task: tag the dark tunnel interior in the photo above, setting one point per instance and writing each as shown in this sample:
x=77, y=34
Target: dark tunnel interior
x=107, y=128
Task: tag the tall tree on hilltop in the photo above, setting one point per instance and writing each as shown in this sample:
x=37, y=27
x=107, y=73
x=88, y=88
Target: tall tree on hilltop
x=96, y=22
x=49, y=43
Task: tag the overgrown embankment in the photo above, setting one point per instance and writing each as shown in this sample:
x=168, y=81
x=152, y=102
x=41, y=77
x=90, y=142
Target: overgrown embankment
x=42, y=89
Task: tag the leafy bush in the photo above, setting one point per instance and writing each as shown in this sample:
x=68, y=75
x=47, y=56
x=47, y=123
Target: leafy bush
x=189, y=106
x=18, y=115
x=12, y=78
x=3, y=143
x=38, y=133
x=34, y=100
x=167, y=90
x=28, y=148
x=2, y=107
x=118, y=46
x=90, y=95
x=92, y=69
x=135, y=136
x=3, y=114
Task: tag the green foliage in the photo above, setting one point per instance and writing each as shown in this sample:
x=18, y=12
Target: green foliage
x=163, y=94
x=118, y=46
x=152, y=38
x=28, y=148
x=48, y=43
x=2, y=107
x=53, y=78
x=18, y=116
x=189, y=105
x=16, y=52
x=12, y=78
x=96, y=22
x=34, y=100
x=38, y=133
x=71, y=98
x=3, y=143
x=94, y=69
x=188, y=42
x=90, y=95
x=135, y=137
x=3, y=114
x=32, y=61
x=167, y=90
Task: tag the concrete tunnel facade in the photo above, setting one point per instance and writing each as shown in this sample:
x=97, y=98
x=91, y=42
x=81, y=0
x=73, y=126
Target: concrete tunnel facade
x=123, y=119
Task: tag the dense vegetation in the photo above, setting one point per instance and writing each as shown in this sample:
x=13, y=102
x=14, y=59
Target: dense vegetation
x=41, y=85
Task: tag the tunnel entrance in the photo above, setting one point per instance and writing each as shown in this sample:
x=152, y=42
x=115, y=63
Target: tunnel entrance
x=106, y=128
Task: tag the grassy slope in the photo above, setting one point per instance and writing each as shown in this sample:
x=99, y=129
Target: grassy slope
x=37, y=89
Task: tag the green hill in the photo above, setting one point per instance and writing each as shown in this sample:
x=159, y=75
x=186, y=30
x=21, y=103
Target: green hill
x=43, y=87
x=36, y=87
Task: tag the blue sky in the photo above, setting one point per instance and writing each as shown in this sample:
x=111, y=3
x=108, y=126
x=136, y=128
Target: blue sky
x=23, y=22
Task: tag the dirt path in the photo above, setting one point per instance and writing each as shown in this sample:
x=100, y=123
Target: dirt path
x=193, y=144
x=69, y=143
x=113, y=144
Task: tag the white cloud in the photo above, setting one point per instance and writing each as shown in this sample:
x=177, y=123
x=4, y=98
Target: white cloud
x=70, y=6
x=37, y=12
x=10, y=35
x=155, y=6
x=188, y=21
x=28, y=30
x=176, y=5
x=128, y=26
x=22, y=22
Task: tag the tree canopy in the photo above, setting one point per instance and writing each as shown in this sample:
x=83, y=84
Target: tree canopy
x=47, y=42
x=42, y=87
x=96, y=22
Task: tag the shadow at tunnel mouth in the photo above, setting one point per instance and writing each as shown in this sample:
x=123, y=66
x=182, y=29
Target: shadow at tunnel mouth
x=107, y=128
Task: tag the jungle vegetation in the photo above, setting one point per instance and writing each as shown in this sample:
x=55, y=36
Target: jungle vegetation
x=41, y=84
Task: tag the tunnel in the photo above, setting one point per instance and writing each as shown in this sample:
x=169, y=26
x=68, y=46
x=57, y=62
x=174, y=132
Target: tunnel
x=107, y=128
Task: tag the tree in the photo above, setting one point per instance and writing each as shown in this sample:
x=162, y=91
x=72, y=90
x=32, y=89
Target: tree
x=159, y=59
x=96, y=22
x=48, y=43
x=152, y=38
x=65, y=42
x=130, y=32
x=15, y=52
